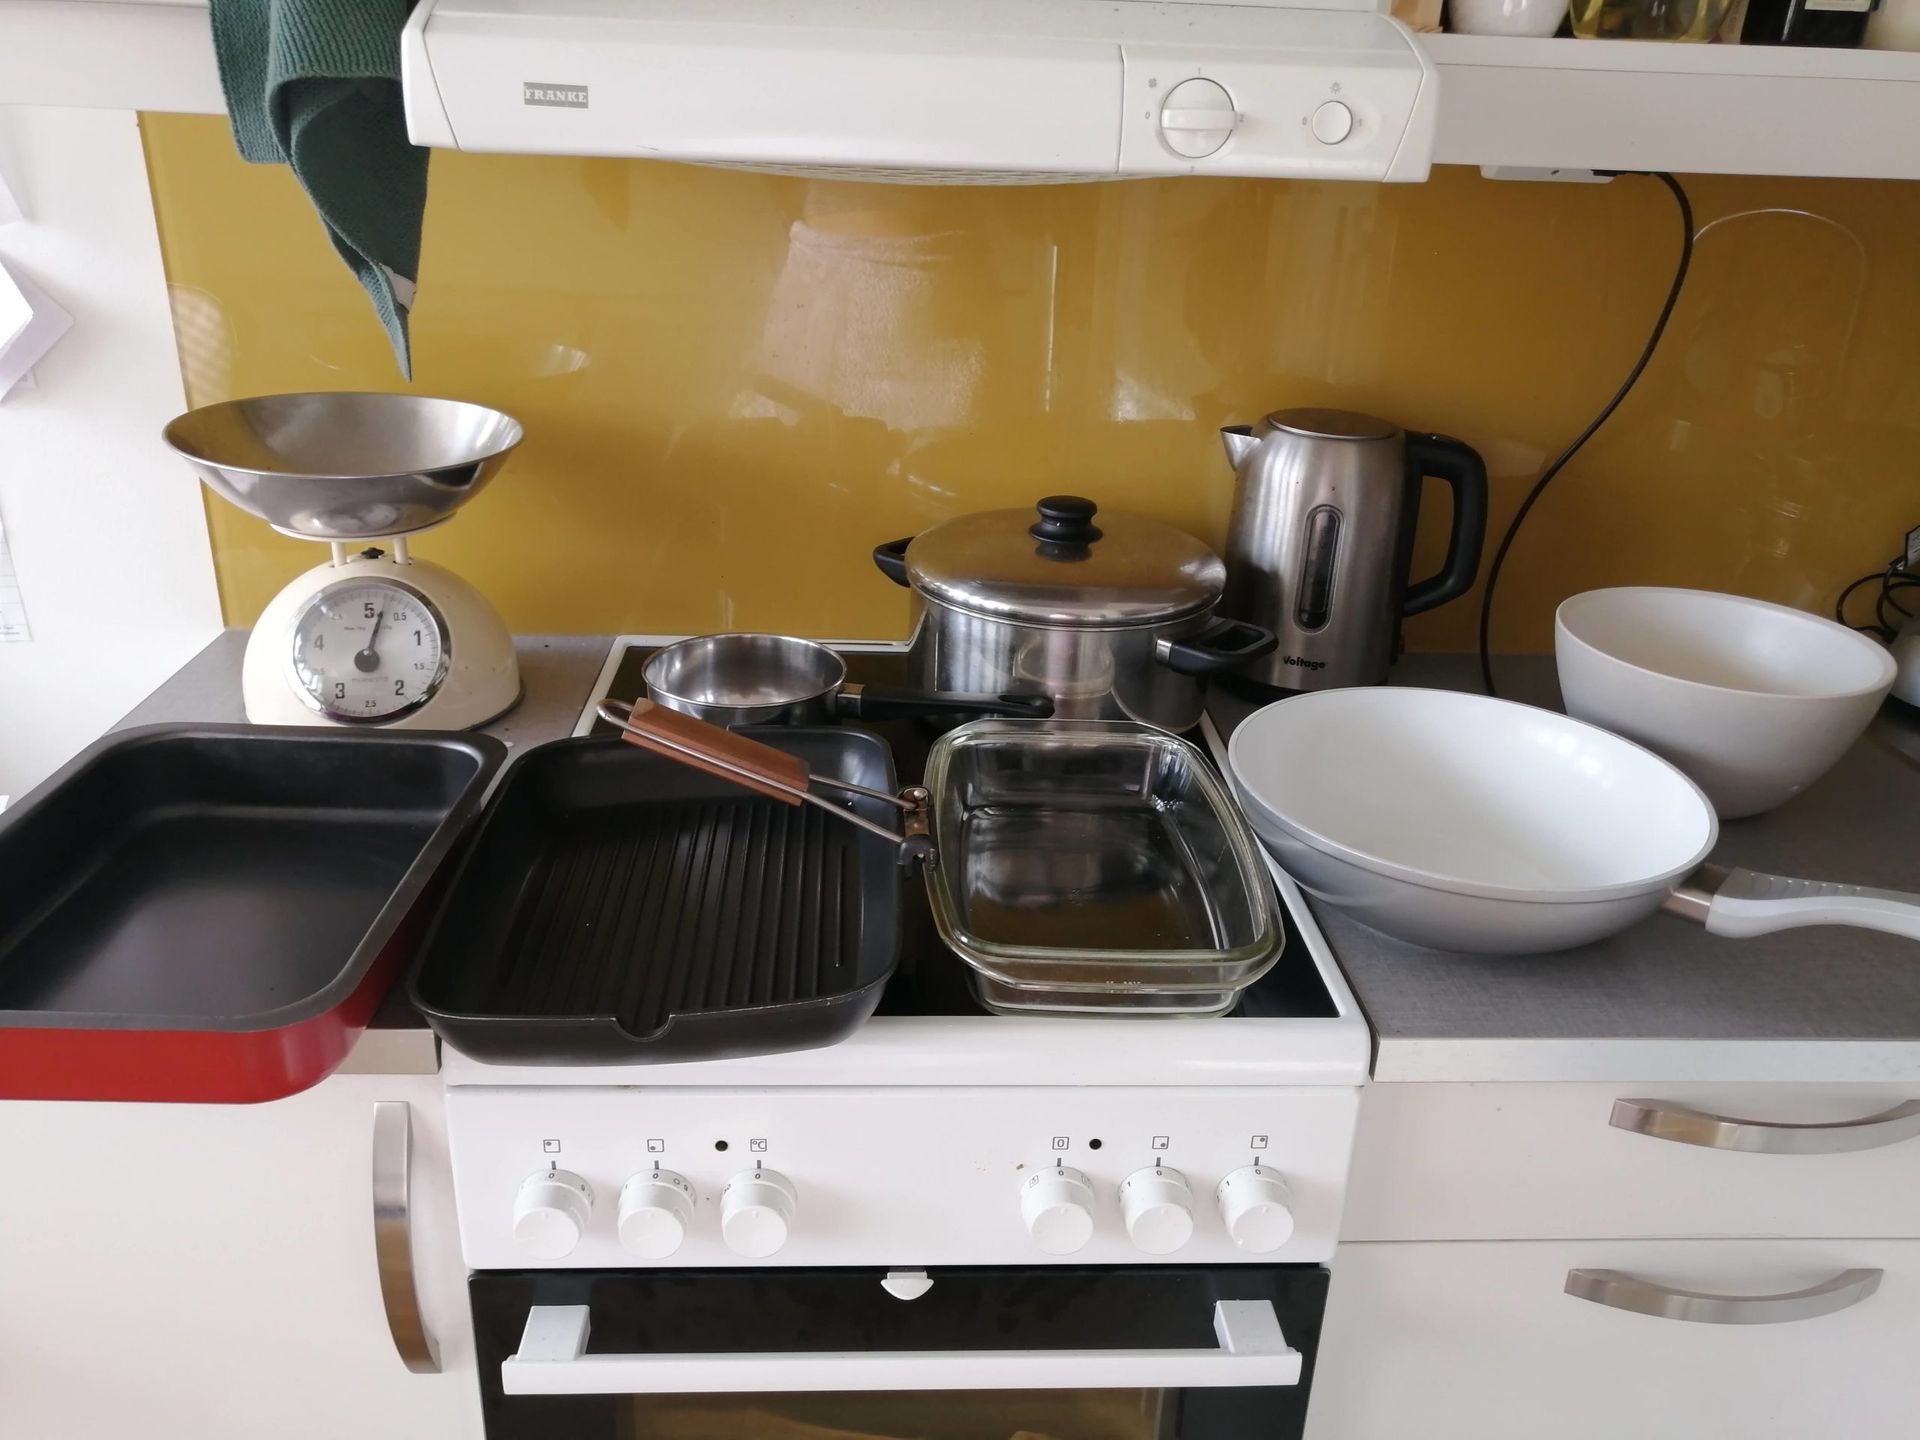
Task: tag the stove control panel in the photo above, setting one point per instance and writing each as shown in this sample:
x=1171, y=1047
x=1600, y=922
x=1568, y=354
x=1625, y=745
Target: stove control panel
x=900, y=1176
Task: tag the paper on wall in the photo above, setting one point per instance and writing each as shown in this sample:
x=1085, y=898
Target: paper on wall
x=13, y=605
x=40, y=323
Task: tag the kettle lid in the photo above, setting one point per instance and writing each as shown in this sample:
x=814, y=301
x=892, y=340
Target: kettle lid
x=1330, y=424
x=1066, y=568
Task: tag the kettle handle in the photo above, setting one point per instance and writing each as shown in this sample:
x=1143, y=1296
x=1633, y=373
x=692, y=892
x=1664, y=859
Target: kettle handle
x=1466, y=475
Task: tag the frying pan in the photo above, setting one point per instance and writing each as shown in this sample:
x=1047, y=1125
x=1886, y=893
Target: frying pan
x=748, y=679
x=1465, y=823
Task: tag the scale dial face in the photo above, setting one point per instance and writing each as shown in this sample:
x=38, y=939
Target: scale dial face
x=368, y=650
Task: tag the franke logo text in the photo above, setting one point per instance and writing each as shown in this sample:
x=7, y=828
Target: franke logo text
x=569, y=97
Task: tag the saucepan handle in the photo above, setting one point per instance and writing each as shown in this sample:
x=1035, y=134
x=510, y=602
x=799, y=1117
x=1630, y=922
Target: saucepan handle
x=1223, y=645
x=891, y=560
x=1746, y=902
x=884, y=702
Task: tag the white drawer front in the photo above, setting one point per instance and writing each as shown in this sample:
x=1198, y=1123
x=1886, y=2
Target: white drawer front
x=1482, y=1342
x=1522, y=1162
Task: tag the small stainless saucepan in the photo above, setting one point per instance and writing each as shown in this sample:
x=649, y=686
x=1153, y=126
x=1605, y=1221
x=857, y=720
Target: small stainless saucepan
x=745, y=679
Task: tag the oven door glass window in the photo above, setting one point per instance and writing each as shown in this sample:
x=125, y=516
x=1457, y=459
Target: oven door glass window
x=1063, y=1353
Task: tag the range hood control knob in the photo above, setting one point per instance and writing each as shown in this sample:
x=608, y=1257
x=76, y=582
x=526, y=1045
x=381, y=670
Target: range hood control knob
x=550, y=1212
x=1057, y=1204
x=1197, y=118
x=656, y=1207
x=1157, y=1205
x=756, y=1211
x=1258, y=1208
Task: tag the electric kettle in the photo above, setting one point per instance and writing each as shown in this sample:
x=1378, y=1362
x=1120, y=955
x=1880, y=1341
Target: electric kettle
x=1324, y=510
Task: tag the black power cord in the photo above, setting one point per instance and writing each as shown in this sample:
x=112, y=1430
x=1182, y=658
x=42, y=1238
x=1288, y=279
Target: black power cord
x=1548, y=475
x=1893, y=581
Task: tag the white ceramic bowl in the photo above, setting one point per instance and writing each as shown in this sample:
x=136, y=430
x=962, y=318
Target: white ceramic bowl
x=1505, y=17
x=1754, y=701
x=1463, y=823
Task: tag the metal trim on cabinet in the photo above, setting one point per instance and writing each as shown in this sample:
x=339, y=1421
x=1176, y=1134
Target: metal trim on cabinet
x=1685, y=1126
x=393, y=1236
x=1621, y=1291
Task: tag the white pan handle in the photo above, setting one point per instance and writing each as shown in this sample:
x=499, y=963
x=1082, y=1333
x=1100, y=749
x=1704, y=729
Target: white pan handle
x=552, y=1360
x=1750, y=903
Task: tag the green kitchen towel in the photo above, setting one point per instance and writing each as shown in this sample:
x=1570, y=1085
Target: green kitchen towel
x=315, y=84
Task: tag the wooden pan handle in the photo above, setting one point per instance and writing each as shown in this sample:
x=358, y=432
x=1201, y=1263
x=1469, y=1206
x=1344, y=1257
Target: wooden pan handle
x=769, y=772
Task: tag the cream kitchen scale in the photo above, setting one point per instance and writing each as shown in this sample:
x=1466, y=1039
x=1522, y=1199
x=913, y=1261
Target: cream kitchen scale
x=372, y=636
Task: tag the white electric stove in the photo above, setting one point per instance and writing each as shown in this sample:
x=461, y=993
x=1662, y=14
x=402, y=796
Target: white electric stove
x=947, y=1200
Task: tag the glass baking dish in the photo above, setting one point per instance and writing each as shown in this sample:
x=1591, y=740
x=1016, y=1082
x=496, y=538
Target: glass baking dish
x=1095, y=854
x=1120, y=1002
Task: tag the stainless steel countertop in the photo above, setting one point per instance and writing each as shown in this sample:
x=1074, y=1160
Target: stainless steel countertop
x=1665, y=1000
x=556, y=675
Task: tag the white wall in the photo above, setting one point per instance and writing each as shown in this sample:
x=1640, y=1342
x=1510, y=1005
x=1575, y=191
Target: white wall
x=107, y=528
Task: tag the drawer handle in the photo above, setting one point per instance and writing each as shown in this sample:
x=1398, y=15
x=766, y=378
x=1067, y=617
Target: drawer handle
x=552, y=1360
x=393, y=1235
x=1621, y=1291
x=1762, y=1137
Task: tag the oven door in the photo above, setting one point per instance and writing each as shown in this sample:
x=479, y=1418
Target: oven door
x=1061, y=1353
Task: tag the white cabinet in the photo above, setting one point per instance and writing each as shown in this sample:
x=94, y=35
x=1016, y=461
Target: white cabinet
x=1469, y=1205
x=1505, y=1162
x=1479, y=1341
x=208, y=1271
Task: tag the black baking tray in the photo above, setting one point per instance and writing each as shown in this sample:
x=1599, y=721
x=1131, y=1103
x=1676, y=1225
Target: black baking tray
x=617, y=907
x=211, y=912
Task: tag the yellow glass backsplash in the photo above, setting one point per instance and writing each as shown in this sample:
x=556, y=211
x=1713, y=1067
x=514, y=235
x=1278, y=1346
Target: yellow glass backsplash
x=735, y=384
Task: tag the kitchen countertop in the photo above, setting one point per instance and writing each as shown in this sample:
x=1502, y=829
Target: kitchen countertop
x=1665, y=1001
x=556, y=675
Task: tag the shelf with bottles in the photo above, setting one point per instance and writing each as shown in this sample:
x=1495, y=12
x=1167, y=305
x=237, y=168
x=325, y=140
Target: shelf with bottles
x=1653, y=105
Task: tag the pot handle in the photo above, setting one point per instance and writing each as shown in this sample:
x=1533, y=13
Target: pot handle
x=1223, y=645
x=884, y=702
x=1466, y=475
x=1739, y=903
x=891, y=560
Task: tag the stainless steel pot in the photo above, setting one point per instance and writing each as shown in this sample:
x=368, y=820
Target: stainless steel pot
x=748, y=679
x=1112, y=621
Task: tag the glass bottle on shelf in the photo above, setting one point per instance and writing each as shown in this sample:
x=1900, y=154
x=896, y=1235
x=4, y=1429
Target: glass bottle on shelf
x=1837, y=24
x=1602, y=19
x=1691, y=20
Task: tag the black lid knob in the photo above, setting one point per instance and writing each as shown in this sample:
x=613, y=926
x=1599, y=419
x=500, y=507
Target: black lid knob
x=1065, y=520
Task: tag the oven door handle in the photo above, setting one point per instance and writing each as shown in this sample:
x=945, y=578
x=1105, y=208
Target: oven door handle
x=552, y=1360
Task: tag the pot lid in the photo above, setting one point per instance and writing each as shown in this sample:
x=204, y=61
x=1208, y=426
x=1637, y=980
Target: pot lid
x=1055, y=565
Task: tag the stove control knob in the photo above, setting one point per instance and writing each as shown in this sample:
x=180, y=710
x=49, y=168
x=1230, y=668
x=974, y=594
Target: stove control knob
x=756, y=1211
x=550, y=1212
x=1157, y=1205
x=1057, y=1204
x=656, y=1207
x=1258, y=1208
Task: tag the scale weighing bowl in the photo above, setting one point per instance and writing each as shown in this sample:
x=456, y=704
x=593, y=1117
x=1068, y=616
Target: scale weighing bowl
x=346, y=465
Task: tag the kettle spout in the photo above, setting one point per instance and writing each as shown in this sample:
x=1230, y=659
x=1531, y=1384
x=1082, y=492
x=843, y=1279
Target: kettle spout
x=1239, y=442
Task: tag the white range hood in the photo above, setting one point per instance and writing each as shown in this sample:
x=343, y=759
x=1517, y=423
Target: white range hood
x=956, y=91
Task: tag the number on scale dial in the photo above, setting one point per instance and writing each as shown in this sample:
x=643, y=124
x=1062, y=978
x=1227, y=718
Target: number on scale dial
x=368, y=650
